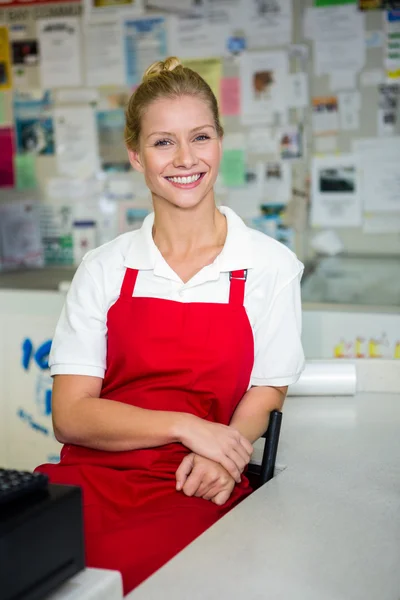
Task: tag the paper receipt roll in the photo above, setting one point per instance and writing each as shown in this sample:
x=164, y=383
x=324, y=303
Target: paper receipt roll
x=326, y=378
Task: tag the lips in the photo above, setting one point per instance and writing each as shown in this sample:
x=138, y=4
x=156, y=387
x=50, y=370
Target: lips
x=187, y=181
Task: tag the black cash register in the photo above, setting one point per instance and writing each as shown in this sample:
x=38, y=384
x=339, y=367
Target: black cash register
x=41, y=535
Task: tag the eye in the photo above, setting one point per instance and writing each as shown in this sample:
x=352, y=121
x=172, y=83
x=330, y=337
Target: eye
x=162, y=143
x=202, y=137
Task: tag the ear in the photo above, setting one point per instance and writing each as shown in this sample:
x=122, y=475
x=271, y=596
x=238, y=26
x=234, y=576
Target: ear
x=134, y=159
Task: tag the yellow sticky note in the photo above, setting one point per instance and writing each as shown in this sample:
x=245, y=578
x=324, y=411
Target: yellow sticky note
x=25, y=171
x=5, y=60
x=210, y=69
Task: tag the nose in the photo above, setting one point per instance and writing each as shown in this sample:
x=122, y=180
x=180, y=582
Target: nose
x=185, y=156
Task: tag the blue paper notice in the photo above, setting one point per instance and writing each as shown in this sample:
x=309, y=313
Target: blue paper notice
x=145, y=41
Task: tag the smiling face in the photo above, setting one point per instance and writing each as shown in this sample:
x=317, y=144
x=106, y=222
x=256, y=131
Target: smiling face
x=179, y=151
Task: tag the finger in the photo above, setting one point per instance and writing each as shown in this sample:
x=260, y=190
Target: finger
x=246, y=445
x=231, y=467
x=212, y=492
x=184, y=470
x=240, y=461
x=193, y=482
x=221, y=497
x=204, y=487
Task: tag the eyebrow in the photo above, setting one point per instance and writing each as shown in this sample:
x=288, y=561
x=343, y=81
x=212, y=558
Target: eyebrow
x=169, y=133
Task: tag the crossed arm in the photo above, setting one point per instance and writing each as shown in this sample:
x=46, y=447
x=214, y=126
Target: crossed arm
x=199, y=476
x=219, y=455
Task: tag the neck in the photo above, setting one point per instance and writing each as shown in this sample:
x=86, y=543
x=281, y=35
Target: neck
x=181, y=231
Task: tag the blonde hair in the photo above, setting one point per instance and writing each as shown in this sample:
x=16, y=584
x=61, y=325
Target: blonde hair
x=166, y=79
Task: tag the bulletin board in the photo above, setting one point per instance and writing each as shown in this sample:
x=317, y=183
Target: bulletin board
x=308, y=127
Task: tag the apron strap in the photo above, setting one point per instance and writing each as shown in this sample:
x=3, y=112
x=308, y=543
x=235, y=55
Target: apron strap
x=238, y=282
x=128, y=284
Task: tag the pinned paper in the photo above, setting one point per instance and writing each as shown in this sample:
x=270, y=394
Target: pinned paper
x=230, y=96
x=6, y=157
x=298, y=96
x=210, y=70
x=25, y=171
x=5, y=60
x=60, y=54
x=233, y=167
x=336, y=199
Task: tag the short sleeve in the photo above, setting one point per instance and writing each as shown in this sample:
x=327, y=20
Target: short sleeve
x=80, y=341
x=279, y=357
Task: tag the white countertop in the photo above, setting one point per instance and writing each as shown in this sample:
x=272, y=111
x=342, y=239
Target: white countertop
x=325, y=528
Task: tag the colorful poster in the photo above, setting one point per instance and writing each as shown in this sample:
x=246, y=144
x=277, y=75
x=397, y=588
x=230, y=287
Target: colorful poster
x=325, y=116
x=110, y=128
x=6, y=157
x=210, y=69
x=16, y=3
x=392, y=47
x=33, y=122
x=263, y=86
x=291, y=142
x=5, y=60
x=101, y=7
x=145, y=42
x=378, y=4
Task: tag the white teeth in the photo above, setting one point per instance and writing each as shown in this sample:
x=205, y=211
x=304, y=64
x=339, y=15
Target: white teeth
x=190, y=179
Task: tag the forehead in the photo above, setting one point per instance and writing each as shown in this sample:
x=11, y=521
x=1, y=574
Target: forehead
x=184, y=112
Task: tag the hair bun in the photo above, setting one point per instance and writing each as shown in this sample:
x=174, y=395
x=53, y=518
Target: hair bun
x=169, y=64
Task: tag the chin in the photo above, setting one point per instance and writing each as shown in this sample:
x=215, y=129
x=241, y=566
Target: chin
x=186, y=199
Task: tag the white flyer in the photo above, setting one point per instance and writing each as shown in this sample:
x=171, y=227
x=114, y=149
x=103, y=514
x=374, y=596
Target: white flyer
x=335, y=192
x=275, y=179
x=379, y=162
x=20, y=243
x=60, y=52
x=268, y=23
x=263, y=79
x=349, y=110
x=104, y=52
x=76, y=141
x=339, y=39
x=196, y=37
x=298, y=94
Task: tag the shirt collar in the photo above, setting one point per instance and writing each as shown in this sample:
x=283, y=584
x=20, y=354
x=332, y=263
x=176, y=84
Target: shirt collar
x=236, y=254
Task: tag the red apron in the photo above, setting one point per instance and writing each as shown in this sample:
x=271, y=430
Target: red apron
x=161, y=355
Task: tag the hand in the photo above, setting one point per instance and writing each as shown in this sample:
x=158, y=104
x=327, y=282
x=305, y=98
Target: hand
x=204, y=478
x=220, y=443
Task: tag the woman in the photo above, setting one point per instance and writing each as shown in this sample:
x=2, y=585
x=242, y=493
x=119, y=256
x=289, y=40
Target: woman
x=175, y=343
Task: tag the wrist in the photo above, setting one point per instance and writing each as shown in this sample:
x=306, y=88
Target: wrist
x=180, y=427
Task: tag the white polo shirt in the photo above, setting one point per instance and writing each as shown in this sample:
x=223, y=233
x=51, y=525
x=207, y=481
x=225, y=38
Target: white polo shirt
x=272, y=298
